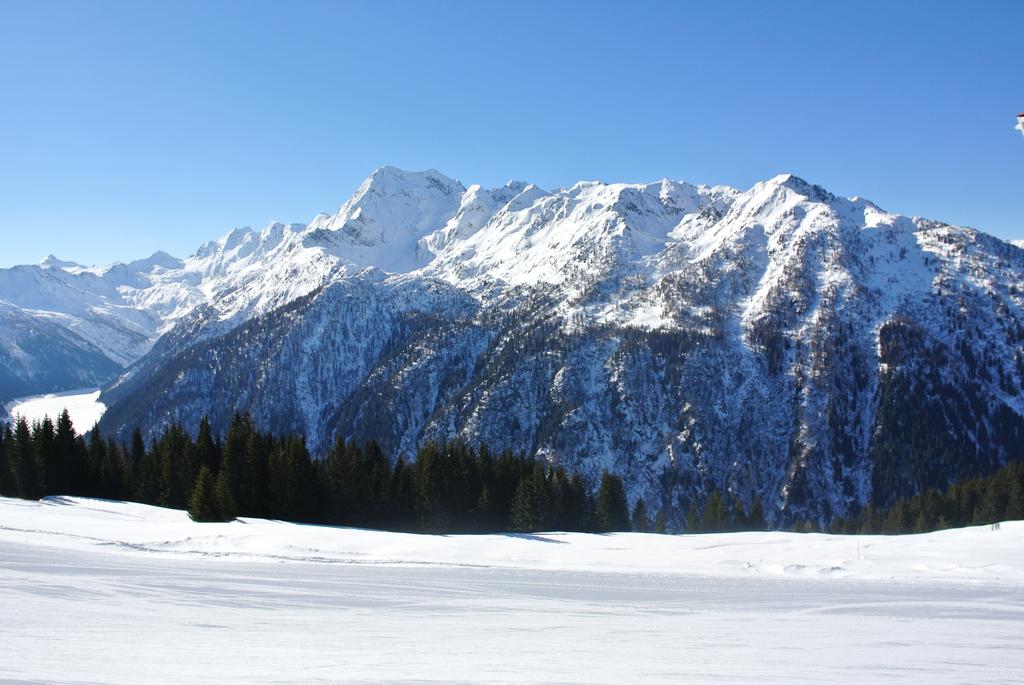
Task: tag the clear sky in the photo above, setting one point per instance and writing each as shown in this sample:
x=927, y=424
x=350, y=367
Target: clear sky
x=136, y=126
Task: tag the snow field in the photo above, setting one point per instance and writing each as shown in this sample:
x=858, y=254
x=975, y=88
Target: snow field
x=109, y=592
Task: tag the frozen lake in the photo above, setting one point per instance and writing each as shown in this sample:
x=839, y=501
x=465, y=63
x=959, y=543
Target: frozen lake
x=83, y=406
x=240, y=603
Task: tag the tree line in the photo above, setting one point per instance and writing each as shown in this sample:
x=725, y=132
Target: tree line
x=969, y=502
x=449, y=487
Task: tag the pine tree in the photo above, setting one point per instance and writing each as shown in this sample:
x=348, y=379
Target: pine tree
x=44, y=439
x=484, y=511
x=525, y=515
x=227, y=508
x=6, y=445
x=24, y=462
x=232, y=476
x=640, y=522
x=138, y=448
x=921, y=523
x=611, y=508
x=147, y=475
x=659, y=522
x=432, y=481
x=70, y=468
x=544, y=509
x=755, y=520
x=714, y=514
x=692, y=519
x=403, y=497
x=95, y=457
x=175, y=455
x=253, y=484
x=1015, y=493
x=581, y=504
x=296, y=496
x=203, y=504
x=894, y=522
x=207, y=450
x=866, y=520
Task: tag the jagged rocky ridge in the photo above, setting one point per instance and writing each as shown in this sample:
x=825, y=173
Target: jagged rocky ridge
x=812, y=350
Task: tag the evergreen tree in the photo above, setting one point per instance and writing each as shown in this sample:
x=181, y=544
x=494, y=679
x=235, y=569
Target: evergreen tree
x=1015, y=493
x=224, y=491
x=692, y=518
x=895, y=521
x=714, y=514
x=138, y=448
x=755, y=520
x=639, y=521
x=147, y=474
x=175, y=453
x=95, y=456
x=69, y=471
x=993, y=502
x=292, y=493
x=117, y=472
x=232, y=477
x=659, y=522
x=25, y=464
x=581, y=505
x=6, y=476
x=508, y=470
x=44, y=438
x=866, y=520
x=207, y=450
x=433, y=505
x=403, y=497
x=253, y=484
x=527, y=506
x=921, y=523
x=484, y=510
x=611, y=509
x=203, y=504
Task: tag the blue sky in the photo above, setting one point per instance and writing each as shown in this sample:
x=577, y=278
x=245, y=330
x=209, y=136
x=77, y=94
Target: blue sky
x=131, y=127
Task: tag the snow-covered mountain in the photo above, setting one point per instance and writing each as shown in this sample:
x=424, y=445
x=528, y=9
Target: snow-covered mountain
x=815, y=351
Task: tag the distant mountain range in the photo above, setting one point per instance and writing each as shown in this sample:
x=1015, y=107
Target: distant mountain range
x=816, y=351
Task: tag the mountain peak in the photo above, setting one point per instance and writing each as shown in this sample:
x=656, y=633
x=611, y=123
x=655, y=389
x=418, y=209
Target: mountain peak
x=391, y=177
x=381, y=224
x=157, y=259
x=52, y=262
x=799, y=186
x=788, y=180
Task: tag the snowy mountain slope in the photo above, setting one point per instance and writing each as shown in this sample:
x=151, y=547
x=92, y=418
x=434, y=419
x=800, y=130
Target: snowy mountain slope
x=813, y=351
x=38, y=354
x=570, y=237
x=383, y=223
x=121, y=310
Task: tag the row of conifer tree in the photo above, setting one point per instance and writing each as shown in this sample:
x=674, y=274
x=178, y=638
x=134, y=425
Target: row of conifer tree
x=449, y=487
x=970, y=502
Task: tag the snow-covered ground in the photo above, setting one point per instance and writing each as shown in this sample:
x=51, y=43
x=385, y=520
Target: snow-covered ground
x=83, y=406
x=108, y=592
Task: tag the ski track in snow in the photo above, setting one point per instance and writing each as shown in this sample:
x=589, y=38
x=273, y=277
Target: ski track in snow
x=108, y=592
